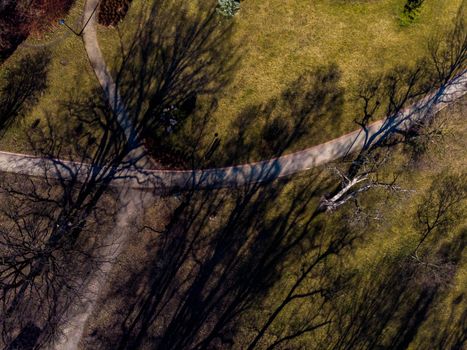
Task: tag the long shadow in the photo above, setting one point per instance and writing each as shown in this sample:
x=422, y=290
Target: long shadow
x=210, y=269
x=388, y=308
x=201, y=277
x=169, y=68
x=200, y=281
x=312, y=103
x=56, y=226
x=22, y=86
x=210, y=265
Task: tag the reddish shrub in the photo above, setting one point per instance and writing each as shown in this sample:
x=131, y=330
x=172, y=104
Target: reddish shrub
x=20, y=18
x=44, y=13
x=113, y=11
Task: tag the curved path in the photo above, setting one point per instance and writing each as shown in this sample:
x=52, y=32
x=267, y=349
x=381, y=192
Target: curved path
x=238, y=175
x=75, y=320
x=263, y=171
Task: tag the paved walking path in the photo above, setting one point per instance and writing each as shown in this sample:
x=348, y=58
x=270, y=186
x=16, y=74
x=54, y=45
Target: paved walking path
x=97, y=61
x=238, y=175
x=131, y=204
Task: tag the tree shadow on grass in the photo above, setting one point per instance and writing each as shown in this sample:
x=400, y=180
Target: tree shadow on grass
x=214, y=262
x=390, y=307
x=22, y=85
x=311, y=105
x=179, y=57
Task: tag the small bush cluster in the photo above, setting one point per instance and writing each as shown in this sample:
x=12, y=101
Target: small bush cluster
x=411, y=11
x=111, y=12
x=228, y=8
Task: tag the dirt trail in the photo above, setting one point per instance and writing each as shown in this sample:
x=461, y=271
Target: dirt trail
x=131, y=204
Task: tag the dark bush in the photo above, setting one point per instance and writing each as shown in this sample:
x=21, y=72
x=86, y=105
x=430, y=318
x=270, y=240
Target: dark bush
x=20, y=18
x=411, y=11
x=111, y=12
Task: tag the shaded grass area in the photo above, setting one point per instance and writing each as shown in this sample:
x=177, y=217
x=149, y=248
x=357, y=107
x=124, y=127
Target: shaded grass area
x=388, y=296
x=68, y=76
x=279, y=42
x=29, y=318
x=382, y=264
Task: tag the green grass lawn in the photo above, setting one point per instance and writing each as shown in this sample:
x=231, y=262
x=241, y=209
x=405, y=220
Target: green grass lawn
x=278, y=40
x=281, y=39
x=69, y=75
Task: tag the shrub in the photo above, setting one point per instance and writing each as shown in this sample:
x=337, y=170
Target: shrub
x=111, y=12
x=411, y=11
x=228, y=8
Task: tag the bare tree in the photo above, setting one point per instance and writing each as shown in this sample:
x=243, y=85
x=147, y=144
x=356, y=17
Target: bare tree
x=49, y=244
x=54, y=228
x=212, y=266
x=389, y=97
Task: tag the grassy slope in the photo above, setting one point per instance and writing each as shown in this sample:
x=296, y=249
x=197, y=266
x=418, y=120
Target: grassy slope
x=70, y=79
x=393, y=235
x=279, y=40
